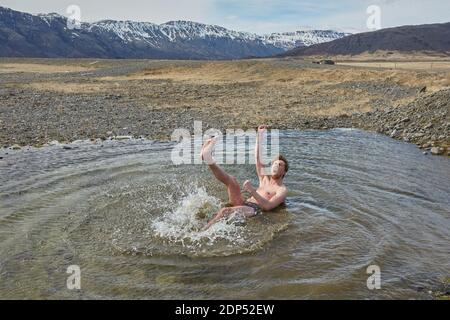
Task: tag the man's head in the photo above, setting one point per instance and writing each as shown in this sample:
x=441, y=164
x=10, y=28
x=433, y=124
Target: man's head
x=280, y=167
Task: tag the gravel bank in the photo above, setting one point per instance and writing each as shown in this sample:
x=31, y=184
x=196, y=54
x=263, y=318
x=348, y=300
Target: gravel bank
x=38, y=108
x=425, y=122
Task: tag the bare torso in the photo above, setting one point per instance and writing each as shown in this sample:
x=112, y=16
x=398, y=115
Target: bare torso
x=267, y=189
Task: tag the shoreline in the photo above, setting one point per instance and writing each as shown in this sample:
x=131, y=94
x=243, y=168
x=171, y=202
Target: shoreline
x=315, y=124
x=150, y=99
x=431, y=137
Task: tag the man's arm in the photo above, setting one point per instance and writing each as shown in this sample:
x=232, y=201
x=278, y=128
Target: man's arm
x=259, y=165
x=265, y=204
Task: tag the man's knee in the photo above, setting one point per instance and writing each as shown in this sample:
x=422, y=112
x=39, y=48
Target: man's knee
x=224, y=212
x=233, y=182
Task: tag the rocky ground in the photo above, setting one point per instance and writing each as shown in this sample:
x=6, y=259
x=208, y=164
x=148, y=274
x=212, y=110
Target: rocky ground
x=100, y=99
x=425, y=122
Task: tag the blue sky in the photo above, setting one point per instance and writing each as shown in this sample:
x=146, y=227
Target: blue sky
x=259, y=16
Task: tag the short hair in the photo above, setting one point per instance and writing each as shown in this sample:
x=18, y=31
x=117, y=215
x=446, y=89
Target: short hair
x=286, y=163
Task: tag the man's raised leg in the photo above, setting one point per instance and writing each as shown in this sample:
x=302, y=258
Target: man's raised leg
x=233, y=188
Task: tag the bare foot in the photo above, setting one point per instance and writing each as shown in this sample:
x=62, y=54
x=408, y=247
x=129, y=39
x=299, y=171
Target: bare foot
x=207, y=149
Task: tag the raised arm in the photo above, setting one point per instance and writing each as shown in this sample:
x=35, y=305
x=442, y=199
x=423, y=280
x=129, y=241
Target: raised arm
x=259, y=165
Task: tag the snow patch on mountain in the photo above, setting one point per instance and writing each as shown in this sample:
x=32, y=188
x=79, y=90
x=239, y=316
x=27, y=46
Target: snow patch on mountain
x=306, y=38
x=173, y=31
x=50, y=17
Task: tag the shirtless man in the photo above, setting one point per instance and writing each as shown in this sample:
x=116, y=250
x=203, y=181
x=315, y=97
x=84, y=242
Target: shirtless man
x=271, y=191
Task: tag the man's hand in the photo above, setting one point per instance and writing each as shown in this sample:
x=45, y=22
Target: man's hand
x=248, y=186
x=262, y=128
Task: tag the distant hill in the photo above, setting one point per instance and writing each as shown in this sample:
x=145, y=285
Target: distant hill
x=47, y=35
x=433, y=38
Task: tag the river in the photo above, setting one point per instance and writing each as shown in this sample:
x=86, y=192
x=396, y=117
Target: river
x=131, y=220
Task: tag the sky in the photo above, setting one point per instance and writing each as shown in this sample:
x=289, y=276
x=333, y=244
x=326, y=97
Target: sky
x=257, y=16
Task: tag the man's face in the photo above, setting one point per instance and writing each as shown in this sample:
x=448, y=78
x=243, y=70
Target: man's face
x=278, y=168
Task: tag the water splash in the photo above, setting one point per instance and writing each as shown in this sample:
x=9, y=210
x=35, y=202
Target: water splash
x=184, y=224
x=167, y=218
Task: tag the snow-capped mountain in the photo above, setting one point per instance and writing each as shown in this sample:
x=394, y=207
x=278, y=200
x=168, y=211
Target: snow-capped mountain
x=181, y=30
x=291, y=40
x=48, y=35
x=173, y=31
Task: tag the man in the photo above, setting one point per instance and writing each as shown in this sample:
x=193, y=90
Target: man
x=271, y=191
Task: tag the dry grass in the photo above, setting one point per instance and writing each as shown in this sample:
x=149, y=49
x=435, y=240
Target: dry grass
x=411, y=65
x=390, y=56
x=40, y=68
x=254, y=89
x=265, y=73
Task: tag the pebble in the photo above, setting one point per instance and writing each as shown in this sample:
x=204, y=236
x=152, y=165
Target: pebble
x=437, y=151
x=123, y=137
x=53, y=143
x=394, y=133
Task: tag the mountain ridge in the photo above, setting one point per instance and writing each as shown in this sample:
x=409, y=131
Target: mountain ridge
x=47, y=35
x=404, y=39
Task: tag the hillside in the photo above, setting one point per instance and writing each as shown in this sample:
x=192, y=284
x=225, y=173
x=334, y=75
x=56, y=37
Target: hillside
x=430, y=38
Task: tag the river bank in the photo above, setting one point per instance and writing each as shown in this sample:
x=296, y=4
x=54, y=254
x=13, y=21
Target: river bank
x=66, y=100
